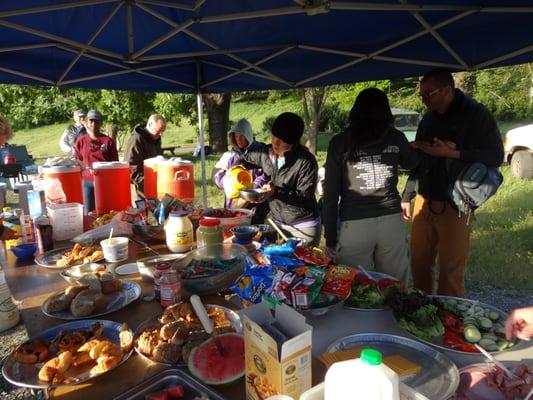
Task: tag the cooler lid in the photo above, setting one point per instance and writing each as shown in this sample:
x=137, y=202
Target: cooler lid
x=59, y=169
x=177, y=161
x=110, y=165
x=154, y=160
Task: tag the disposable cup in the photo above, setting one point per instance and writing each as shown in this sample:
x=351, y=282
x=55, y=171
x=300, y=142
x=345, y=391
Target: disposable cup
x=115, y=249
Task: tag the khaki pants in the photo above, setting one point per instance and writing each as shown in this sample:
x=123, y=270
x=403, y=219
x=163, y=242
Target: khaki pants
x=379, y=244
x=311, y=234
x=439, y=230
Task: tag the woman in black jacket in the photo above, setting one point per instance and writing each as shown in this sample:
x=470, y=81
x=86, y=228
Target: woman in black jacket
x=362, y=171
x=293, y=173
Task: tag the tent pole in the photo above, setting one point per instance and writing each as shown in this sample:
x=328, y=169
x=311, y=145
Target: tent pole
x=200, y=105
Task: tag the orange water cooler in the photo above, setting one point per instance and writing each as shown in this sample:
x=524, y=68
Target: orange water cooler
x=112, y=190
x=175, y=176
x=70, y=178
x=150, y=176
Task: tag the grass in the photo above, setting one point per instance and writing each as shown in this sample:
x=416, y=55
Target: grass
x=501, y=252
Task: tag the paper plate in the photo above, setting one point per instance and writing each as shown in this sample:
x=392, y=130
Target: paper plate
x=127, y=269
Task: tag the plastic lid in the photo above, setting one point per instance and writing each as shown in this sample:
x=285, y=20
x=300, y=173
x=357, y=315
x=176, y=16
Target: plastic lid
x=210, y=222
x=57, y=169
x=162, y=266
x=371, y=356
x=110, y=165
x=176, y=161
x=178, y=214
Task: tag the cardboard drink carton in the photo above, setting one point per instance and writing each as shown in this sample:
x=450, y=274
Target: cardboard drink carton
x=277, y=352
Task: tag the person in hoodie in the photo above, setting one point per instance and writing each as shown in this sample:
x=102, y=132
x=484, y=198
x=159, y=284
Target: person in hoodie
x=144, y=142
x=242, y=141
x=293, y=173
x=362, y=172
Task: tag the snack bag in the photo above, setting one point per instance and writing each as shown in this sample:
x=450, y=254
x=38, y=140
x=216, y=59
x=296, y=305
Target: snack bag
x=338, y=280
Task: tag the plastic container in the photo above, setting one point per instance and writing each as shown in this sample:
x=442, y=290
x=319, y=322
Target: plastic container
x=178, y=230
x=175, y=176
x=236, y=179
x=169, y=287
x=66, y=220
x=245, y=218
x=150, y=176
x=22, y=189
x=70, y=178
x=363, y=378
x=44, y=233
x=9, y=313
x=112, y=189
x=115, y=249
x=209, y=232
x=9, y=158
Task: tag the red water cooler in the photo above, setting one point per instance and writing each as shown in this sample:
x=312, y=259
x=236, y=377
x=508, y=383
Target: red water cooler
x=112, y=190
x=70, y=178
x=176, y=177
x=150, y=176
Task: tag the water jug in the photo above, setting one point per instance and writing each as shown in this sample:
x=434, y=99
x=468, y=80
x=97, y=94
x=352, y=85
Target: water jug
x=9, y=158
x=362, y=378
x=70, y=178
x=112, y=191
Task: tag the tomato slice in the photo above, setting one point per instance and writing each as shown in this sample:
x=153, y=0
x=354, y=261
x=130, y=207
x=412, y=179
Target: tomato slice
x=176, y=392
x=157, y=396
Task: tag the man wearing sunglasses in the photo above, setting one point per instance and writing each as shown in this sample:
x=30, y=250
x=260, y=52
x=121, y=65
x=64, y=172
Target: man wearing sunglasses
x=455, y=127
x=94, y=146
x=144, y=142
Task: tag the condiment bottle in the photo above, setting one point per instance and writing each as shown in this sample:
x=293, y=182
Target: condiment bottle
x=160, y=268
x=169, y=286
x=362, y=378
x=43, y=233
x=179, y=232
x=209, y=232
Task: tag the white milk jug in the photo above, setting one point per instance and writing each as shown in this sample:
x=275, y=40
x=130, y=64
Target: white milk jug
x=9, y=313
x=362, y=378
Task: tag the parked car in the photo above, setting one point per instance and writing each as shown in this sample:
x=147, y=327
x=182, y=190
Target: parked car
x=518, y=145
x=406, y=121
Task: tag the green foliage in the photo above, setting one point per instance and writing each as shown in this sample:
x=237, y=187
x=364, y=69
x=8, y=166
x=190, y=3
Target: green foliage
x=333, y=118
x=268, y=122
x=344, y=95
x=177, y=107
x=126, y=109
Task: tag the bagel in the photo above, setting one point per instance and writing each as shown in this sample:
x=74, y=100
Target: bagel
x=32, y=352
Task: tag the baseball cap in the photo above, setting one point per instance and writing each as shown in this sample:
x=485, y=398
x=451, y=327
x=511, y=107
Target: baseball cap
x=94, y=114
x=79, y=113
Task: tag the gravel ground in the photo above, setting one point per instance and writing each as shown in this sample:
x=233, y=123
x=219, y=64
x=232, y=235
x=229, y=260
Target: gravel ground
x=506, y=300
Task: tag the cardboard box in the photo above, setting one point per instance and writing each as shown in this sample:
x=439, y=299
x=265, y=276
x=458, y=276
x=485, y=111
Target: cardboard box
x=272, y=367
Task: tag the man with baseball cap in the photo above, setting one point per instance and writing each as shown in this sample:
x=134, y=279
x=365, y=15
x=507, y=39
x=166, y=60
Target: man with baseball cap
x=293, y=173
x=73, y=132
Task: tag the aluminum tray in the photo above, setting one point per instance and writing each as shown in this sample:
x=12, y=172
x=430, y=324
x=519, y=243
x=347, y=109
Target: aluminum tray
x=375, y=275
x=437, y=342
x=165, y=379
x=231, y=315
x=438, y=378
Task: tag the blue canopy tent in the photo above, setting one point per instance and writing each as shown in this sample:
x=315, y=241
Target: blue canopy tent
x=235, y=45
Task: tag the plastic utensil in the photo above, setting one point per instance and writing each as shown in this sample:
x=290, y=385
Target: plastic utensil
x=277, y=229
x=507, y=371
x=364, y=271
x=207, y=323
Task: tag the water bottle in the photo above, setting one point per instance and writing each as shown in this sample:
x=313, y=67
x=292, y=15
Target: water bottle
x=362, y=378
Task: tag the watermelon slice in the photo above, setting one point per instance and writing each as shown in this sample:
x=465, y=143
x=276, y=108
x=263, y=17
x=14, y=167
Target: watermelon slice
x=206, y=363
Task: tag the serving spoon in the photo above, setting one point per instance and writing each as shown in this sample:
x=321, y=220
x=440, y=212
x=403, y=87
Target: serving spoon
x=490, y=357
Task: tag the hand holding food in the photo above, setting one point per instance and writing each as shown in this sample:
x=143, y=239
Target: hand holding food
x=520, y=324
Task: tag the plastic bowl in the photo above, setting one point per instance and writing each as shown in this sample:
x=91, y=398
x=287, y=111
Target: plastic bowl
x=218, y=281
x=24, y=250
x=115, y=249
x=253, y=195
x=229, y=222
x=244, y=232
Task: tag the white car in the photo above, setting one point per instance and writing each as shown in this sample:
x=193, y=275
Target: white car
x=518, y=145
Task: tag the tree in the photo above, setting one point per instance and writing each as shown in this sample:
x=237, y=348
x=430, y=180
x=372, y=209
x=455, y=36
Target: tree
x=217, y=108
x=313, y=99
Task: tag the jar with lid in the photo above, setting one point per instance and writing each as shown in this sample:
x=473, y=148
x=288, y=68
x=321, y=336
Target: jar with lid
x=178, y=231
x=209, y=232
x=160, y=268
x=169, y=286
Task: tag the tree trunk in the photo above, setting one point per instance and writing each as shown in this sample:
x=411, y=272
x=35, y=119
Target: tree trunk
x=313, y=99
x=217, y=107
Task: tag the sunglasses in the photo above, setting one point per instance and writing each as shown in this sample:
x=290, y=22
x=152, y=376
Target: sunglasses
x=428, y=95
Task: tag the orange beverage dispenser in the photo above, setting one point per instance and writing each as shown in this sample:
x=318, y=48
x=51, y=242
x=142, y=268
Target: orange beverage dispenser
x=150, y=176
x=175, y=176
x=112, y=190
x=70, y=178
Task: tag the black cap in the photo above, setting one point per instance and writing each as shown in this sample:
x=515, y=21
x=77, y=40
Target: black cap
x=288, y=127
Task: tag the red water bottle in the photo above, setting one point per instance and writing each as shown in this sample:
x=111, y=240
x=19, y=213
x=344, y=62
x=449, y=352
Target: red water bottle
x=9, y=158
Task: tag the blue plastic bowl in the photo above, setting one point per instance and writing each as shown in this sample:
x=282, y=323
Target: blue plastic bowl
x=25, y=250
x=245, y=232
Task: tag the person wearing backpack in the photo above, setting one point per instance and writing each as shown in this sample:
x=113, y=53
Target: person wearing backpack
x=456, y=130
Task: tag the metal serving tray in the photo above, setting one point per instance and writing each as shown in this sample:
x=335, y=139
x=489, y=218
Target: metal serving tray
x=438, y=378
x=167, y=378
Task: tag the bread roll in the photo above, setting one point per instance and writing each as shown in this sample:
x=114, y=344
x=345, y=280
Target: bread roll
x=81, y=307
x=94, y=296
x=57, y=302
x=75, y=289
x=110, y=284
x=92, y=281
x=167, y=353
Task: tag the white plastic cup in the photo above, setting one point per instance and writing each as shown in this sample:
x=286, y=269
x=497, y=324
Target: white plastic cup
x=115, y=249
